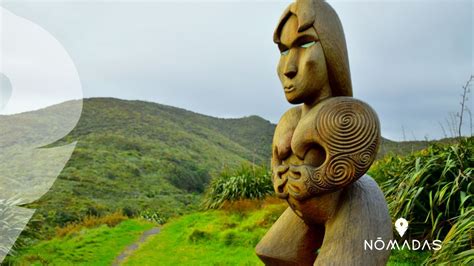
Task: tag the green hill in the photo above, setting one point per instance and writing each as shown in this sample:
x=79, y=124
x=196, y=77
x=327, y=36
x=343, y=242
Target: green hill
x=135, y=156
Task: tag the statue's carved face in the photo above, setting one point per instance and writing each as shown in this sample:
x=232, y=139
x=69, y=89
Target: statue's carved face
x=302, y=68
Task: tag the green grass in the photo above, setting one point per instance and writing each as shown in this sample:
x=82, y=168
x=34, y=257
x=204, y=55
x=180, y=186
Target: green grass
x=222, y=237
x=215, y=237
x=97, y=246
x=407, y=257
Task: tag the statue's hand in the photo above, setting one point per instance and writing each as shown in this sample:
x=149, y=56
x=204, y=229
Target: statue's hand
x=299, y=181
x=280, y=180
x=293, y=181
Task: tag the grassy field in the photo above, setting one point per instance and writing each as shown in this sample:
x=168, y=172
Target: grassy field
x=95, y=246
x=215, y=237
x=222, y=237
x=209, y=238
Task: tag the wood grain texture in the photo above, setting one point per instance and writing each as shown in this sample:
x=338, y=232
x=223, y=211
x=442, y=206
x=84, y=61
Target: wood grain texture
x=322, y=149
x=362, y=215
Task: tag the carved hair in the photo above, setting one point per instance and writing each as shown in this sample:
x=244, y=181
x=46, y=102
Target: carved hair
x=322, y=17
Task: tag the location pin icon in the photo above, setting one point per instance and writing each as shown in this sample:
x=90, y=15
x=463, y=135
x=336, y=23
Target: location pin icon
x=401, y=225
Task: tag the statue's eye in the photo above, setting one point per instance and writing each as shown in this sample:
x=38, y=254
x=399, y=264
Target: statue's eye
x=308, y=44
x=285, y=52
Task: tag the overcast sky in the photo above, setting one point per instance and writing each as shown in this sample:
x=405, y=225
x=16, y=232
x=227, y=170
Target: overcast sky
x=408, y=59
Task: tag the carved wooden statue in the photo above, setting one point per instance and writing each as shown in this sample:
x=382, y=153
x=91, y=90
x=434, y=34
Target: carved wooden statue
x=322, y=149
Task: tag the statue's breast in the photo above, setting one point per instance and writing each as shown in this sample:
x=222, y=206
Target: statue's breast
x=284, y=134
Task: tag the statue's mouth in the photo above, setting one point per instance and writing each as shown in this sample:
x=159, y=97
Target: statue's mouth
x=289, y=89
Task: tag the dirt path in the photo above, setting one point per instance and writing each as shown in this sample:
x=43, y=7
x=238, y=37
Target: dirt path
x=130, y=249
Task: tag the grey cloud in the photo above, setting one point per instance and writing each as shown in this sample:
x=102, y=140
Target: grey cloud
x=408, y=59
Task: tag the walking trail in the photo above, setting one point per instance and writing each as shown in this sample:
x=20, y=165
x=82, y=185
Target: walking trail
x=130, y=249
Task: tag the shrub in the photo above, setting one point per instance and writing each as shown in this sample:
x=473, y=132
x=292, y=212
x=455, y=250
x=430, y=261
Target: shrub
x=68, y=229
x=129, y=211
x=198, y=235
x=432, y=189
x=110, y=220
x=230, y=238
x=186, y=175
x=65, y=217
x=152, y=216
x=95, y=210
x=241, y=206
x=248, y=182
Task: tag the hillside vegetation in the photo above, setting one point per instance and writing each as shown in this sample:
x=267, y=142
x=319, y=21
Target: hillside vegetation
x=143, y=158
x=148, y=160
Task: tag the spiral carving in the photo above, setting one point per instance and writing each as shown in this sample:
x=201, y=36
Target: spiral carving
x=346, y=125
x=339, y=170
x=348, y=129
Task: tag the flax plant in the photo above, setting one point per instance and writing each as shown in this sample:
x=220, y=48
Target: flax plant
x=433, y=189
x=248, y=182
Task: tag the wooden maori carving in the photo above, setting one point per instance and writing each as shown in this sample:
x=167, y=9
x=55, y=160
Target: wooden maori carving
x=322, y=150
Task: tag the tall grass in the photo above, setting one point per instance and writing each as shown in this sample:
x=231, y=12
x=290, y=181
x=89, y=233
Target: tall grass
x=433, y=189
x=247, y=182
x=456, y=244
x=110, y=220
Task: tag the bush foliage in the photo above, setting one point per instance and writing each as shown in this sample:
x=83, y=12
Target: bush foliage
x=247, y=182
x=433, y=189
x=111, y=220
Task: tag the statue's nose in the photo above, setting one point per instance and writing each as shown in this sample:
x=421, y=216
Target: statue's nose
x=290, y=71
x=291, y=68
